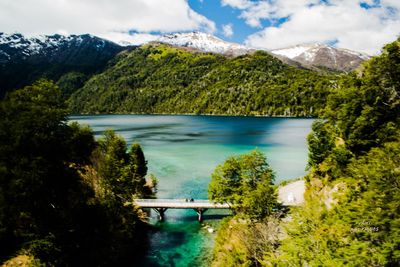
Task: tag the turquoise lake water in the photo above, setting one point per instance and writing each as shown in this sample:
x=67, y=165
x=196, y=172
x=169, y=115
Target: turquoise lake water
x=183, y=151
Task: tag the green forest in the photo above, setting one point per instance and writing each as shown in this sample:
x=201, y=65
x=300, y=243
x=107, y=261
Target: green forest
x=351, y=215
x=64, y=196
x=168, y=80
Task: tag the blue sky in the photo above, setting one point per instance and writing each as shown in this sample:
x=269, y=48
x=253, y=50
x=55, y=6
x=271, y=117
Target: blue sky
x=223, y=15
x=360, y=25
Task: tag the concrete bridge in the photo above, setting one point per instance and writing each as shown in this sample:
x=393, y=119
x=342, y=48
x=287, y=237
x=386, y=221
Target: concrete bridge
x=288, y=195
x=161, y=205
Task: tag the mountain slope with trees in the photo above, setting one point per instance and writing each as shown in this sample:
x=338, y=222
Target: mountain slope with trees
x=163, y=79
x=24, y=60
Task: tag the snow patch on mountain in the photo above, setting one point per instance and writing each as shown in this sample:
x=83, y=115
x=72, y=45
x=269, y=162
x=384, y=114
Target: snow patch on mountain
x=29, y=46
x=32, y=45
x=311, y=49
x=361, y=55
x=323, y=55
x=291, y=52
x=204, y=42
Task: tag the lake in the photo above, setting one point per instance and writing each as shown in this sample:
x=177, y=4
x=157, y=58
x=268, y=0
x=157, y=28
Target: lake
x=182, y=152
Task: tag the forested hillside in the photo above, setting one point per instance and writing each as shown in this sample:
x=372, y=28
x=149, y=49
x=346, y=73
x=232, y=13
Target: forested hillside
x=351, y=216
x=159, y=78
x=63, y=195
x=72, y=59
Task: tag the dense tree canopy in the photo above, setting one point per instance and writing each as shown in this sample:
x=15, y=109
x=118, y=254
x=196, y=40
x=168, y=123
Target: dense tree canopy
x=122, y=171
x=164, y=79
x=351, y=216
x=59, y=198
x=246, y=183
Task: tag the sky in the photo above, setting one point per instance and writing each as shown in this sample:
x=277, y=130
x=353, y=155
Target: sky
x=359, y=25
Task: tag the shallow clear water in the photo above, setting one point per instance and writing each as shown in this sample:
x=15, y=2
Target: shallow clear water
x=183, y=151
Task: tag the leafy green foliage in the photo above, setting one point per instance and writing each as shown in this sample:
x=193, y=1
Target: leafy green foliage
x=365, y=109
x=379, y=183
x=246, y=183
x=71, y=82
x=136, y=171
x=123, y=172
x=351, y=216
x=362, y=229
x=54, y=203
x=163, y=79
x=320, y=143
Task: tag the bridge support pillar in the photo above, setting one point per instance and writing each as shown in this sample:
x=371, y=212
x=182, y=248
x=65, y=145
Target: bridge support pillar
x=160, y=212
x=200, y=212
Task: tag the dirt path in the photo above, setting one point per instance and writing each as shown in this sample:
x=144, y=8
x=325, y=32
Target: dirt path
x=292, y=193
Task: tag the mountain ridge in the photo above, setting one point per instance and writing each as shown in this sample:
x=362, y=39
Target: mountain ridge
x=163, y=79
x=311, y=55
x=205, y=42
x=26, y=59
x=323, y=55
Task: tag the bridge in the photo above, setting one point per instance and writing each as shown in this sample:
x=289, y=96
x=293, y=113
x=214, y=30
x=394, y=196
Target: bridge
x=288, y=195
x=161, y=205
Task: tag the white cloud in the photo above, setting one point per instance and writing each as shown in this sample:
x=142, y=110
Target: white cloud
x=256, y=12
x=345, y=21
x=227, y=30
x=130, y=39
x=392, y=3
x=104, y=18
x=241, y=4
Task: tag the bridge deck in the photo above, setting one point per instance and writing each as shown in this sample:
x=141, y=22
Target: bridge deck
x=179, y=204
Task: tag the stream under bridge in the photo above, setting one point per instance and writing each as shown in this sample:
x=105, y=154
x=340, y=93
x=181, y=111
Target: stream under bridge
x=162, y=205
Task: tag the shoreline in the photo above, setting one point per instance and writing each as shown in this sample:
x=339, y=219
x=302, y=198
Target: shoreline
x=191, y=114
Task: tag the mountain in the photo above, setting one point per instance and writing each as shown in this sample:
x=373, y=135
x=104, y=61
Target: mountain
x=308, y=55
x=321, y=55
x=204, y=42
x=200, y=63
x=160, y=78
x=23, y=59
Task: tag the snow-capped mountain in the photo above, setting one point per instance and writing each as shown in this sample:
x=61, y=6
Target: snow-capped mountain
x=24, y=60
x=18, y=47
x=204, y=42
x=308, y=55
x=322, y=55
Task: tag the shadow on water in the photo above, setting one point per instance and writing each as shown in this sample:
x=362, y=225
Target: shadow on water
x=193, y=218
x=175, y=238
x=168, y=241
x=210, y=217
x=178, y=243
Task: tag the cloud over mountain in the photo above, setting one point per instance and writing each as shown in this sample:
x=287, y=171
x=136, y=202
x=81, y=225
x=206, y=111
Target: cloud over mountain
x=107, y=18
x=358, y=25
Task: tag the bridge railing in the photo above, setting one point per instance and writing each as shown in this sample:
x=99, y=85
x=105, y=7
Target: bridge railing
x=165, y=200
